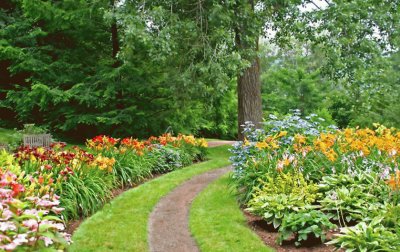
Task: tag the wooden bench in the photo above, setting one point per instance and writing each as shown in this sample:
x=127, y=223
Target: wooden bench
x=38, y=140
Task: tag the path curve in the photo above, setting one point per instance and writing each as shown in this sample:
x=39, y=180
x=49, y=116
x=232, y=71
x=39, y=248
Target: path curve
x=219, y=142
x=169, y=221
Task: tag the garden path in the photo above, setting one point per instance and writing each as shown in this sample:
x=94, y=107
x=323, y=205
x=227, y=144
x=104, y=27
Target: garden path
x=219, y=142
x=169, y=221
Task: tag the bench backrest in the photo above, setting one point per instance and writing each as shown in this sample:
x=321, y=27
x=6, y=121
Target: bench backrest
x=37, y=140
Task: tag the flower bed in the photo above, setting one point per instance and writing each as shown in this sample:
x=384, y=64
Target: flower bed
x=42, y=188
x=307, y=180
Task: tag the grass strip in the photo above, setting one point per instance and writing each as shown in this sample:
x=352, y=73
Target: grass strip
x=218, y=224
x=122, y=224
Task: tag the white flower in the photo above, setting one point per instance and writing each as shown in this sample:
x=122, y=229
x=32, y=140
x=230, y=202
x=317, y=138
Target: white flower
x=47, y=240
x=20, y=239
x=7, y=225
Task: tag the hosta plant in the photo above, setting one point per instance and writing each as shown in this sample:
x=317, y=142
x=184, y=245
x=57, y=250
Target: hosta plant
x=365, y=237
x=348, y=204
x=356, y=170
x=391, y=218
x=305, y=224
x=282, y=195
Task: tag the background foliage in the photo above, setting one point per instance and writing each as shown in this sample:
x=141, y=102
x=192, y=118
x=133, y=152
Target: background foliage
x=173, y=64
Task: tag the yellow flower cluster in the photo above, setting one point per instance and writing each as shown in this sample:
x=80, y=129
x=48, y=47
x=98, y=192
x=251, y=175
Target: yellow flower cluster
x=270, y=142
x=103, y=163
x=189, y=139
x=361, y=141
x=382, y=144
x=324, y=143
x=102, y=142
x=201, y=142
x=177, y=141
x=366, y=140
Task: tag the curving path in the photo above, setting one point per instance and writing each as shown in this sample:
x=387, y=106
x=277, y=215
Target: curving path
x=220, y=142
x=169, y=221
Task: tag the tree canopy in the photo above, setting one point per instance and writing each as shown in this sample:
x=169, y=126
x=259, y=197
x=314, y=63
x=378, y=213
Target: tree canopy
x=142, y=67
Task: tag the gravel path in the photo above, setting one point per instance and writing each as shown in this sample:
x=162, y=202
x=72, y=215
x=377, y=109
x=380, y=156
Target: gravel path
x=219, y=142
x=169, y=221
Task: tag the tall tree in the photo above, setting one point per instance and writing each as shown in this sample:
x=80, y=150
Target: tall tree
x=248, y=81
x=170, y=63
x=351, y=34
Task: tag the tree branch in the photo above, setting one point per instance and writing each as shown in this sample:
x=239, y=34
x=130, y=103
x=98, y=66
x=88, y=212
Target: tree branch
x=312, y=2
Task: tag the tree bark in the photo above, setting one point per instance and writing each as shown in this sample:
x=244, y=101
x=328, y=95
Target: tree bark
x=248, y=81
x=249, y=97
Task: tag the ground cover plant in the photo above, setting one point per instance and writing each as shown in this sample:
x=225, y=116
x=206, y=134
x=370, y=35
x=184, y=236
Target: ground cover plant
x=307, y=179
x=42, y=188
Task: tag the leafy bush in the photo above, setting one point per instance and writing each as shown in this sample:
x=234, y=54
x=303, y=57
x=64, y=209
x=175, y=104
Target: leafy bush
x=365, y=237
x=349, y=204
x=355, y=170
x=85, y=192
x=391, y=218
x=304, y=224
x=269, y=150
x=168, y=160
x=33, y=129
x=131, y=168
x=28, y=221
x=280, y=196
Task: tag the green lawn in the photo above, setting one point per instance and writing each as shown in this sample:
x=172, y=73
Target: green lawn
x=122, y=224
x=217, y=223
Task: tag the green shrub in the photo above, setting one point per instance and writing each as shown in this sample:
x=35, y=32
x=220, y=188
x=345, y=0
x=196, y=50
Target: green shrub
x=169, y=159
x=391, y=218
x=130, y=168
x=304, y=224
x=352, y=203
x=281, y=195
x=365, y=237
x=85, y=192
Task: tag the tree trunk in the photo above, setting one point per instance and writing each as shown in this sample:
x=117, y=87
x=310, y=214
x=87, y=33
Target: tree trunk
x=248, y=82
x=249, y=97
